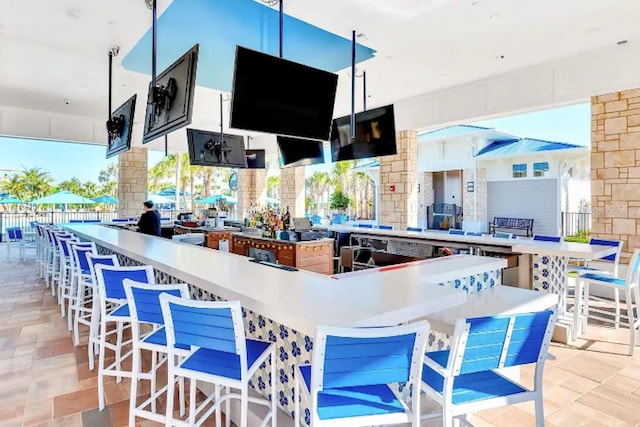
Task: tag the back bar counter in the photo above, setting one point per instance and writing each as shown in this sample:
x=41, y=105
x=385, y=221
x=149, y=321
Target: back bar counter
x=286, y=306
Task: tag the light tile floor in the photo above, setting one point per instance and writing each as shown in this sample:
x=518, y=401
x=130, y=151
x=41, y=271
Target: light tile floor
x=45, y=380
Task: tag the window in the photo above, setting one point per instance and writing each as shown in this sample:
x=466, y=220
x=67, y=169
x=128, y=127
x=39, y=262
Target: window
x=520, y=170
x=541, y=169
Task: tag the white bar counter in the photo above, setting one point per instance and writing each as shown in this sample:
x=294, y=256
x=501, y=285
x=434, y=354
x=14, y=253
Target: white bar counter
x=300, y=300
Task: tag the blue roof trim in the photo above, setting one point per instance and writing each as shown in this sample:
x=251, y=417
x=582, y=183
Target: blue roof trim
x=451, y=131
x=523, y=146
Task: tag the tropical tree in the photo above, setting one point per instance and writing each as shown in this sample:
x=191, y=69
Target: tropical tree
x=273, y=186
x=36, y=183
x=73, y=185
x=13, y=185
x=108, y=179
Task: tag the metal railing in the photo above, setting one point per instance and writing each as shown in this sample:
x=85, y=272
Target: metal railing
x=574, y=223
x=25, y=219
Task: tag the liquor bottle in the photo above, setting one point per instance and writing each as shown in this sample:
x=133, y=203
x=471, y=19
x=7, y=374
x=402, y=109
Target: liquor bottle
x=286, y=219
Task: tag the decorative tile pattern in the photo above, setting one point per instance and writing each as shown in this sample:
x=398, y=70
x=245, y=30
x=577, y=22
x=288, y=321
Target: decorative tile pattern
x=550, y=275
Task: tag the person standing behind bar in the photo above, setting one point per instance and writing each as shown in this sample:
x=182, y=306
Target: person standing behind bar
x=150, y=220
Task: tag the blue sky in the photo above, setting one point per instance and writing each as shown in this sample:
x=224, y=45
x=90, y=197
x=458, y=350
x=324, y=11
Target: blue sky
x=65, y=160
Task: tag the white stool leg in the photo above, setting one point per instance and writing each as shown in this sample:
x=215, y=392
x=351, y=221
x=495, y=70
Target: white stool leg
x=192, y=401
x=616, y=296
x=632, y=323
x=274, y=405
x=577, y=309
x=135, y=369
x=120, y=329
x=154, y=362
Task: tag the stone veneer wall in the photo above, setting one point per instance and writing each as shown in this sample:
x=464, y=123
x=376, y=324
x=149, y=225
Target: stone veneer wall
x=480, y=191
x=292, y=191
x=132, y=182
x=425, y=198
x=615, y=168
x=400, y=207
x=252, y=187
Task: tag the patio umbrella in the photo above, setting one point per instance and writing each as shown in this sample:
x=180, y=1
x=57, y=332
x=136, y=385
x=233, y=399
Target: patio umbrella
x=106, y=199
x=160, y=200
x=63, y=198
x=216, y=198
x=10, y=201
x=271, y=201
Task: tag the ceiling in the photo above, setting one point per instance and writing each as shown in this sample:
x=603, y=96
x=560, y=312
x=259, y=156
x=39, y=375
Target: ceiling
x=54, y=53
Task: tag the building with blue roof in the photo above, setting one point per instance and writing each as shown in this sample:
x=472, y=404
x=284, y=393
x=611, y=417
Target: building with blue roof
x=486, y=173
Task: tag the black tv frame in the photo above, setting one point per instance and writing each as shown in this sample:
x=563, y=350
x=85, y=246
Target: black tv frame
x=127, y=111
x=185, y=89
x=305, y=161
x=363, y=117
x=261, y=157
x=194, y=158
x=265, y=118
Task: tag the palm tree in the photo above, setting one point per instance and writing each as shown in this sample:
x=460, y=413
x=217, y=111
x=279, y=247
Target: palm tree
x=73, y=185
x=13, y=185
x=37, y=183
x=273, y=186
x=108, y=178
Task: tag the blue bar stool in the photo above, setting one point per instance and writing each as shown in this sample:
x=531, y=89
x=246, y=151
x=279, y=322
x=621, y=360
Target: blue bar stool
x=90, y=316
x=220, y=354
x=545, y=238
x=456, y=231
x=114, y=309
x=80, y=279
x=144, y=305
x=463, y=380
x=416, y=229
x=348, y=382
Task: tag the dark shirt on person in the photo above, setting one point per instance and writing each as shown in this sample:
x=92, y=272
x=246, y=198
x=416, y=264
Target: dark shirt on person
x=150, y=223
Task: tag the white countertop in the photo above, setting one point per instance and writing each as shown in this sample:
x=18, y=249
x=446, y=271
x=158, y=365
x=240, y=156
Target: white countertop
x=499, y=300
x=525, y=246
x=300, y=300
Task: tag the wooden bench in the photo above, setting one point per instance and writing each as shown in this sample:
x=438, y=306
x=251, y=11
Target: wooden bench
x=513, y=224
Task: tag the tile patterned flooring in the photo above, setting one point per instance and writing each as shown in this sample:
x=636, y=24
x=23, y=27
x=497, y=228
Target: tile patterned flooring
x=45, y=380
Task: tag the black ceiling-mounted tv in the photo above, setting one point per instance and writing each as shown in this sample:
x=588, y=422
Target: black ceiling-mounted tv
x=213, y=149
x=120, y=128
x=274, y=95
x=256, y=159
x=172, y=97
x=375, y=135
x=299, y=152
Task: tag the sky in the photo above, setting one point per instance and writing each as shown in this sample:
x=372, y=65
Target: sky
x=66, y=160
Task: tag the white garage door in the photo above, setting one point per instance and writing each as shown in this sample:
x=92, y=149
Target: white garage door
x=527, y=198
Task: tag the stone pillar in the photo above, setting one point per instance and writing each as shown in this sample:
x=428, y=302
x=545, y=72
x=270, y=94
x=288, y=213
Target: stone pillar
x=615, y=168
x=252, y=188
x=399, y=183
x=474, y=204
x=132, y=182
x=292, y=192
x=425, y=198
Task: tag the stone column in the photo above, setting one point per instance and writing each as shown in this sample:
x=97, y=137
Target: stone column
x=292, y=192
x=132, y=182
x=425, y=198
x=615, y=168
x=474, y=204
x=399, y=183
x=252, y=188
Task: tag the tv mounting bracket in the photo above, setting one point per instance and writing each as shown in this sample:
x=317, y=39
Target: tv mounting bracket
x=115, y=123
x=162, y=98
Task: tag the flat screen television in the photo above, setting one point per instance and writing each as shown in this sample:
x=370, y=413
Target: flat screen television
x=375, y=135
x=172, y=97
x=299, y=152
x=274, y=95
x=213, y=149
x=120, y=128
x=256, y=159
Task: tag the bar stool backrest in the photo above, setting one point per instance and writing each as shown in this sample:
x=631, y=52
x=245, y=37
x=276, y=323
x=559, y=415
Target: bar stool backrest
x=456, y=231
x=110, y=279
x=543, y=238
x=418, y=229
x=96, y=259
x=80, y=252
x=207, y=324
x=144, y=299
x=352, y=357
x=14, y=234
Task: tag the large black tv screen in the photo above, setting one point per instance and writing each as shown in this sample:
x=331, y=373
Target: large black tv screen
x=214, y=149
x=170, y=104
x=299, y=152
x=120, y=128
x=274, y=95
x=375, y=135
x=256, y=159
